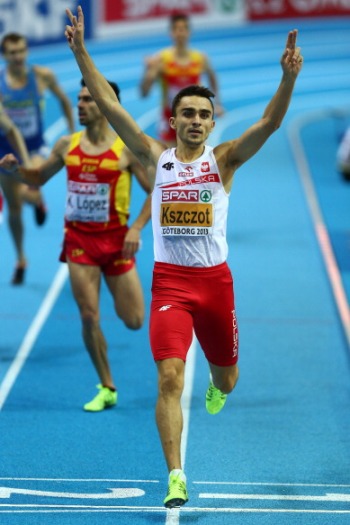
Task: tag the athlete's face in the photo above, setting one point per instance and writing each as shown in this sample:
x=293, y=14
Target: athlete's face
x=193, y=121
x=15, y=53
x=180, y=33
x=88, y=111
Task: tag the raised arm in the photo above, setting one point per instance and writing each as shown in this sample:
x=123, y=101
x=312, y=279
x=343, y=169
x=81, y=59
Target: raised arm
x=234, y=153
x=146, y=149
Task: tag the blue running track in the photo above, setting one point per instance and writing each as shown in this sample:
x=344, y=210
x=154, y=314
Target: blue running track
x=280, y=451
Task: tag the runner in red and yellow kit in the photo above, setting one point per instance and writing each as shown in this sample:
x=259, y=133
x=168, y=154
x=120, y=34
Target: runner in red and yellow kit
x=175, y=68
x=97, y=239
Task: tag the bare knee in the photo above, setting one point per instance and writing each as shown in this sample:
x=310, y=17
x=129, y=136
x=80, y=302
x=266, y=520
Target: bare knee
x=89, y=318
x=134, y=323
x=170, y=381
x=225, y=379
x=132, y=319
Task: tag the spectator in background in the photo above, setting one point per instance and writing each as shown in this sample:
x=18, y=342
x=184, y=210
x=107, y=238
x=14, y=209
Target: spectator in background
x=22, y=88
x=343, y=156
x=176, y=67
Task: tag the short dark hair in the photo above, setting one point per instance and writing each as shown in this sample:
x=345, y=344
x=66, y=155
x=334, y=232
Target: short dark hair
x=192, y=91
x=14, y=38
x=176, y=17
x=113, y=85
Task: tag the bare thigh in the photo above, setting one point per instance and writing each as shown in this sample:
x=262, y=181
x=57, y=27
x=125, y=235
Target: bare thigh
x=127, y=295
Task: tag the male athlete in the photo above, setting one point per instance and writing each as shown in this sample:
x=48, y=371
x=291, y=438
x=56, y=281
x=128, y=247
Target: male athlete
x=22, y=88
x=174, y=68
x=192, y=284
x=97, y=239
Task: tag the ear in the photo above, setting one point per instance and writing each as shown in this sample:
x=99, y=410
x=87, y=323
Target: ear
x=212, y=126
x=172, y=122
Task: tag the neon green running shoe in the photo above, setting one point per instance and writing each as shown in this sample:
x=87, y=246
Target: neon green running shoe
x=214, y=399
x=105, y=398
x=177, y=492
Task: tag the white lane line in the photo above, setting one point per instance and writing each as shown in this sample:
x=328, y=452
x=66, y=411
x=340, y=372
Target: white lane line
x=331, y=497
x=173, y=515
x=111, y=493
x=187, y=397
x=267, y=484
x=330, y=262
x=32, y=334
x=83, y=480
x=64, y=509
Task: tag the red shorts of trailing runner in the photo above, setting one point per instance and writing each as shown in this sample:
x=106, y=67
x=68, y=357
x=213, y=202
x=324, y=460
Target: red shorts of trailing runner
x=103, y=249
x=187, y=299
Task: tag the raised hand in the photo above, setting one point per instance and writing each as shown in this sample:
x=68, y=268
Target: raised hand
x=292, y=60
x=75, y=32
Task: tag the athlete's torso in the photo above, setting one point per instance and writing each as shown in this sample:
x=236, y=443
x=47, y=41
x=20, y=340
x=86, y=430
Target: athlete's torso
x=98, y=195
x=24, y=107
x=189, y=211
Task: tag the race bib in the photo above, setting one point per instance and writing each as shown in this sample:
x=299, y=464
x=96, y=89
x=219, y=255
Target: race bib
x=186, y=219
x=87, y=202
x=26, y=120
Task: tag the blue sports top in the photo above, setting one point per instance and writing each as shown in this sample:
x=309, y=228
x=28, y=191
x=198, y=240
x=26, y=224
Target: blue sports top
x=24, y=107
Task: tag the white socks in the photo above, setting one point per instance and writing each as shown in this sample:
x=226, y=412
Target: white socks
x=178, y=472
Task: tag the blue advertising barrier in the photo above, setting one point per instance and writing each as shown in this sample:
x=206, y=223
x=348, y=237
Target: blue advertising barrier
x=41, y=21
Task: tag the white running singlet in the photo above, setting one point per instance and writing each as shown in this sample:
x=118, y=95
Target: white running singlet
x=189, y=211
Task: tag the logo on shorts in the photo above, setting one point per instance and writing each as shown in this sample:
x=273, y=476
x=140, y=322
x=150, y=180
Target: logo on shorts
x=77, y=252
x=164, y=308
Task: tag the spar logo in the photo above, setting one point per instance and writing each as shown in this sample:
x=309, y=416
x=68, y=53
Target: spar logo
x=205, y=196
x=175, y=195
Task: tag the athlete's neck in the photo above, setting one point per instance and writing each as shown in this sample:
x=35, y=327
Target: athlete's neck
x=186, y=154
x=99, y=132
x=181, y=51
x=18, y=73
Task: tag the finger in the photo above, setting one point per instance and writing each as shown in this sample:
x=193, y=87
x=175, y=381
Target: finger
x=69, y=14
x=80, y=14
x=291, y=39
x=72, y=18
x=68, y=32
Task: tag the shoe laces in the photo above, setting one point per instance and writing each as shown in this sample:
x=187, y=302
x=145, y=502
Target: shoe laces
x=214, y=392
x=178, y=483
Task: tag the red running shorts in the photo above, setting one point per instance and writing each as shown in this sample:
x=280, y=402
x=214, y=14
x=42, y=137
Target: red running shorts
x=187, y=299
x=103, y=249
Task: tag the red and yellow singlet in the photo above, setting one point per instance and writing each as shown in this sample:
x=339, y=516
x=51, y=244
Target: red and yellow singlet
x=175, y=77
x=98, y=192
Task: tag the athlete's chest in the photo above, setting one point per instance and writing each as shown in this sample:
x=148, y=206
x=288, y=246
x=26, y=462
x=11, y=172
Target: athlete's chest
x=89, y=168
